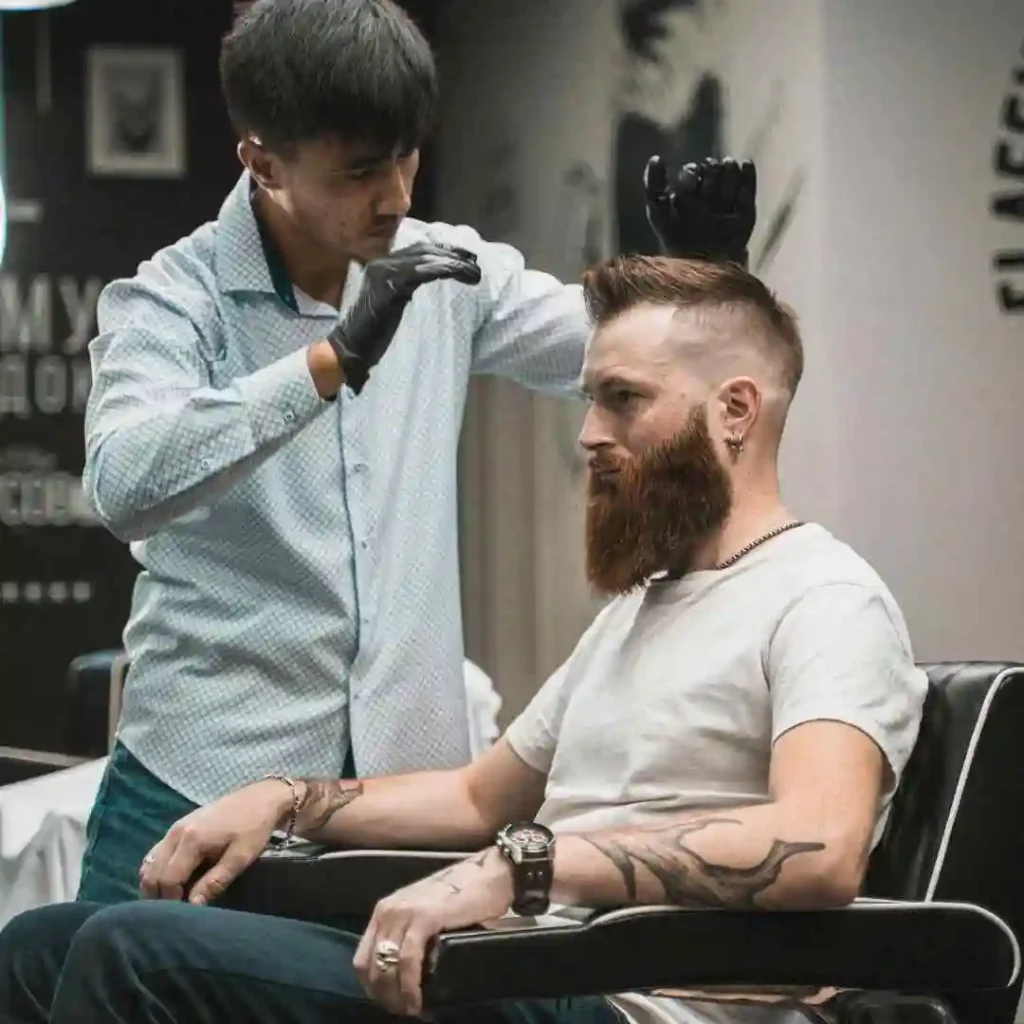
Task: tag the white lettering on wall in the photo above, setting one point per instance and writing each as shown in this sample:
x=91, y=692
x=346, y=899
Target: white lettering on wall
x=45, y=328
x=25, y=315
x=79, y=303
x=44, y=499
x=49, y=386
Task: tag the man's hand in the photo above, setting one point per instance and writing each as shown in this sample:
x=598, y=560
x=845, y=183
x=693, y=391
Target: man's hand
x=708, y=212
x=227, y=835
x=362, y=338
x=474, y=891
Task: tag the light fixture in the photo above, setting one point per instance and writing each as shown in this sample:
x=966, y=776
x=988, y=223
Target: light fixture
x=10, y=6
x=32, y=5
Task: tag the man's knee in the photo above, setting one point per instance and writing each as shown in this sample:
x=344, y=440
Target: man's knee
x=33, y=949
x=43, y=932
x=122, y=937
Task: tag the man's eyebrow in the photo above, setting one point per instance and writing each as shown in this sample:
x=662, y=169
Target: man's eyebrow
x=363, y=161
x=614, y=381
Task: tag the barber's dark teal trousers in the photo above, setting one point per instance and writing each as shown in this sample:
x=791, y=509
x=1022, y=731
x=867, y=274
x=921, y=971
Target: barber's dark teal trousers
x=133, y=811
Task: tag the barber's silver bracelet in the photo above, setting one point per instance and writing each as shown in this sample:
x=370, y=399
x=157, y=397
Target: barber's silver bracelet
x=296, y=802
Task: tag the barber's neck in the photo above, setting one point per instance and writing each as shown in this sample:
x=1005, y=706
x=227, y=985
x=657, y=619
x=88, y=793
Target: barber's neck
x=310, y=268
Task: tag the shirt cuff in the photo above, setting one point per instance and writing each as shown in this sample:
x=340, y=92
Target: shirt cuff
x=281, y=398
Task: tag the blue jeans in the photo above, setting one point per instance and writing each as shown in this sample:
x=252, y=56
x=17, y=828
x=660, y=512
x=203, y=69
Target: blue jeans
x=132, y=813
x=145, y=962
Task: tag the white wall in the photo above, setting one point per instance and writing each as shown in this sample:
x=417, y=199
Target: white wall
x=531, y=92
x=510, y=80
x=928, y=371
x=905, y=438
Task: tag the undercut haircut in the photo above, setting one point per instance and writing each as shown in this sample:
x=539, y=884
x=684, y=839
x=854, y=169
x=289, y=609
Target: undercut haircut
x=295, y=71
x=740, y=310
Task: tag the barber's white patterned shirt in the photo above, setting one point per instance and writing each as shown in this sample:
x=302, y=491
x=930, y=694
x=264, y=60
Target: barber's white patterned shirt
x=300, y=581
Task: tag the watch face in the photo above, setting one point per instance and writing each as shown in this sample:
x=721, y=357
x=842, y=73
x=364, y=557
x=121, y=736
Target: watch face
x=530, y=838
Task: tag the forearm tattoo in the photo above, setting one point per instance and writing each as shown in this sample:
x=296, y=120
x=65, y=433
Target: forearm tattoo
x=324, y=798
x=689, y=879
x=444, y=876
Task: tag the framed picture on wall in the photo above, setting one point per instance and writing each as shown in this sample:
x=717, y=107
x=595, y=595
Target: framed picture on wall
x=135, y=112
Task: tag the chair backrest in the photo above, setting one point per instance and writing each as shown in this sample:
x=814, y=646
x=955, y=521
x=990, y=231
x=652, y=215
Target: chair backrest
x=956, y=829
x=87, y=702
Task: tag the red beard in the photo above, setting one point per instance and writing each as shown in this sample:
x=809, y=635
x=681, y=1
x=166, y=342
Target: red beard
x=649, y=514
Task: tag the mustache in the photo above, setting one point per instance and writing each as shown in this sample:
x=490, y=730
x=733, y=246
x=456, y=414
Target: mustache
x=602, y=463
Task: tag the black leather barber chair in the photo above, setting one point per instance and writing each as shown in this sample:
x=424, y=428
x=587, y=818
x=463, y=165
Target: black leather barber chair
x=934, y=937
x=92, y=695
x=91, y=706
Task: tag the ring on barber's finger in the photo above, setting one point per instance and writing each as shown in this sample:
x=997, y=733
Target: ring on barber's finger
x=386, y=954
x=148, y=859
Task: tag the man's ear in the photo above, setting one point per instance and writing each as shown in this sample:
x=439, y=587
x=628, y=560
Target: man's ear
x=260, y=164
x=739, y=402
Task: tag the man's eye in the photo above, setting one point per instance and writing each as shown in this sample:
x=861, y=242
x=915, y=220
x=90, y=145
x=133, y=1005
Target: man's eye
x=622, y=397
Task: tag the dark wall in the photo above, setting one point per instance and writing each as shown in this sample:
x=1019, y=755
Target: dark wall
x=64, y=586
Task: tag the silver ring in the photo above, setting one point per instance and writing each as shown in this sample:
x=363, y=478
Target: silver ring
x=386, y=955
x=148, y=859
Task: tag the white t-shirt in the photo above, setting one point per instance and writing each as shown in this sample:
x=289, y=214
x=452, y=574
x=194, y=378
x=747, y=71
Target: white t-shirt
x=673, y=698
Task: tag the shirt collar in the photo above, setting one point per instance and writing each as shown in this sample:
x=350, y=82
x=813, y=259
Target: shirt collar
x=247, y=258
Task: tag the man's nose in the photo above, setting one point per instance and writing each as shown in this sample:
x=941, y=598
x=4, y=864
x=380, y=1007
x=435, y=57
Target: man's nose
x=593, y=434
x=396, y=192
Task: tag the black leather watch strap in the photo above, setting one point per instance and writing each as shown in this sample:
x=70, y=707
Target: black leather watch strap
x=531, y=882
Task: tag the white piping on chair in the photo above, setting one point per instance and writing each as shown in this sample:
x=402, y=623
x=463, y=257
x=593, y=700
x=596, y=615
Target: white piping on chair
x=985, y=912
x=961, y=783
x=383, y=854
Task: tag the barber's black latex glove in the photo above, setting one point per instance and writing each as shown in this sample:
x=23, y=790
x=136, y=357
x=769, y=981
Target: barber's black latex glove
x=362, y=338
x=707, y=212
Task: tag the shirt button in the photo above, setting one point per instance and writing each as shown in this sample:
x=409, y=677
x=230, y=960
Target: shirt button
x=360, y=468
x=289, y=416
x=205, y=464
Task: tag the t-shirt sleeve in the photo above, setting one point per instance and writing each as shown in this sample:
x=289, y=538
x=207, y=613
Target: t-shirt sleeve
x=533, y=734
x=840, y=653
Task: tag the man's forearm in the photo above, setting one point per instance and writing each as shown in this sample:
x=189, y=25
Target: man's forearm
x=422, y=809
x=744, y=858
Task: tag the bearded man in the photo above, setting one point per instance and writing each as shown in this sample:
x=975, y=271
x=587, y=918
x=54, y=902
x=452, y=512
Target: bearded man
x=727, y=733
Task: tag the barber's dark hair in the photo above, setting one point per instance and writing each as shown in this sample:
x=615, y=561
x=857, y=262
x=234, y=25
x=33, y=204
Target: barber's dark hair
x=293, y=71
x=620, y=284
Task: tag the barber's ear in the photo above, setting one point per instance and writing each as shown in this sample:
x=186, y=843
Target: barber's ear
x=260, y=164
x=740, y=402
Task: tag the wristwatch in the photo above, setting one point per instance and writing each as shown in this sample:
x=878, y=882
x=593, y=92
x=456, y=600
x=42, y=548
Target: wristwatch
x=530, y=850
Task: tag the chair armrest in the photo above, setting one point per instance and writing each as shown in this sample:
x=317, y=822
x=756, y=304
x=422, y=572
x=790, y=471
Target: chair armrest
x=872, y=944
x=18, y=765
x=311, y=882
